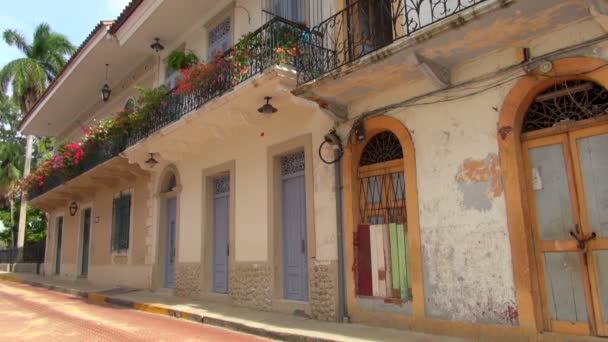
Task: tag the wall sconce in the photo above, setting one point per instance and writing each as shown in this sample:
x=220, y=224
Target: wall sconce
x=73, y=208
x=96, y=219
x=359, y=129
x=267, y=108
x=157, y=46
x=106, y=91
x=151, y=161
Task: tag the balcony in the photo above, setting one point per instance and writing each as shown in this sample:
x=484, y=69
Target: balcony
x=366, y=26
x=356, y=31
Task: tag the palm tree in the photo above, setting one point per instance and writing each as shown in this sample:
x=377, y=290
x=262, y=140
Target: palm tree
x=43, y=59
x=11, y=160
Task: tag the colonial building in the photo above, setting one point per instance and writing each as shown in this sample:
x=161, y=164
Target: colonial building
x=461, y=192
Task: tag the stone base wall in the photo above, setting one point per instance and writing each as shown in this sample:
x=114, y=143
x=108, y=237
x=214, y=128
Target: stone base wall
x=251, y=286
x=324, y=291
x=188, y=279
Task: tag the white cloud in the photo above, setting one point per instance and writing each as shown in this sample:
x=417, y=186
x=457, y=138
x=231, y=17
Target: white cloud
x=116, y=6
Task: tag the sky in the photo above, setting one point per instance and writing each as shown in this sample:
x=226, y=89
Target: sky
x=73, y=18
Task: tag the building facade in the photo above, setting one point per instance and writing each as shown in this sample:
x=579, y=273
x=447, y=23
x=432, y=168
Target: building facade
x=461, y=192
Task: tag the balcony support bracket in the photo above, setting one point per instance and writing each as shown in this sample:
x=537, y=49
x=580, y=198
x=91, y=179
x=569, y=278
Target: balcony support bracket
x=437, y=73
x=599, y=12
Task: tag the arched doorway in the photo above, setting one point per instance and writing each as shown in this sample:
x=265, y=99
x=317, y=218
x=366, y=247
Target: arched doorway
x=167, y=236
x=382, y=235
x=564, y=138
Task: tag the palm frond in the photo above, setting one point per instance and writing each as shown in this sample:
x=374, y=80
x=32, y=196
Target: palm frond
x=16, y=38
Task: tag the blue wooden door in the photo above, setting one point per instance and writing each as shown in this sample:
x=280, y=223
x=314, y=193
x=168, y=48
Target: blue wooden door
x=295, y=269
x=86, y=234
x=59, y=229
x=170, y=242
x=221, y=240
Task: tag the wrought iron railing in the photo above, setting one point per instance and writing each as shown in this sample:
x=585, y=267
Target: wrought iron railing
x=32, y=252
x=365, y=26
x=259, y=50
x=94, y=154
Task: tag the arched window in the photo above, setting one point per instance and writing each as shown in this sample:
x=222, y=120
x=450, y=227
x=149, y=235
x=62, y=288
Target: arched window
x=572, y=100
x=382, y=248
x=171, y=183
x=130, y=105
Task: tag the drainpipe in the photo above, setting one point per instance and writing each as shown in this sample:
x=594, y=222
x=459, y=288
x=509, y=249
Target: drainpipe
x=342, y=309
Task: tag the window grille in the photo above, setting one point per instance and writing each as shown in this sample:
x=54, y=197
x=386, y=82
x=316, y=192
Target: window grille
x=566, y=101
x=381, y=240
x=382, y=147
x=220, y=37
x=121, y=220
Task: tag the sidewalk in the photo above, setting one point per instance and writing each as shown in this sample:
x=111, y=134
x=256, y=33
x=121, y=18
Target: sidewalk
x=267, y=324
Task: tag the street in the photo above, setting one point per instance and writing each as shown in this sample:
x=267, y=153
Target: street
x=35, y=314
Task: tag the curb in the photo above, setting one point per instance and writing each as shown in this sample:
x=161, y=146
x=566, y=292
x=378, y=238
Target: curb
x=155, y=309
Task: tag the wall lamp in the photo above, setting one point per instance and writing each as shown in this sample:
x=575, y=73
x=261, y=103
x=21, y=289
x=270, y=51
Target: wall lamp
x=267, y=108
x=151, y=161
x=332, y=139
x=359, y=130
x=157, y=46
x=73, y=208
x=106, y=91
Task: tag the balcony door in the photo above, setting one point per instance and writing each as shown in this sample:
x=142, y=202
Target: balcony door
x=370, y=26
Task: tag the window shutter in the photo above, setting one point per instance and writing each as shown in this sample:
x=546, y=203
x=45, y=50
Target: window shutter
x=125, y=211
x=121, y=220
x=115, y=224
x=364, y=263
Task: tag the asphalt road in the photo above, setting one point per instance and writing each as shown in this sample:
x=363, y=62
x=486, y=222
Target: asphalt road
x=34, y=314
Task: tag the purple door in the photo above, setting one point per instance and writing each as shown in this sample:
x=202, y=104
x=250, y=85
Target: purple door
x=221, y=241
x=295, y=269
x=170, y=242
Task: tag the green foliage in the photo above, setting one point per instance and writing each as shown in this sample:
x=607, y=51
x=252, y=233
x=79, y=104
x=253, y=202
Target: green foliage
x=181, y=59
x=35, y=229
x=149, y=99
x=42, y=61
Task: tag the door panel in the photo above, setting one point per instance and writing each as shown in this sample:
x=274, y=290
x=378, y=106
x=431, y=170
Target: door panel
x=554, y=209
x=59, y=229
x=591, y=168
x=86, y=233
x=295, y=272
x=593, y=157
x=551, y=192
x=221, y=209
x=170, y=242
x=601, y=271
x=565, y=288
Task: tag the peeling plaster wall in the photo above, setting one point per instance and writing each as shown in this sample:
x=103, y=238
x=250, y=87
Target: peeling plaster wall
x=465, y=241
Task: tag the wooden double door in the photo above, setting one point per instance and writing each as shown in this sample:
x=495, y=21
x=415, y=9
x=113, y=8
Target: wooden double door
x=567, y=175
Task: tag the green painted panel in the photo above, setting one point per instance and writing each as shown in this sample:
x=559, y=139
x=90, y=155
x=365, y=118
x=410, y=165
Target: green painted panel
x=407, y=258
x=394, y=256
x=402, y=262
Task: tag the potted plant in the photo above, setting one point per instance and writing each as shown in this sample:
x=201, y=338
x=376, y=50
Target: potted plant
x=180, y=59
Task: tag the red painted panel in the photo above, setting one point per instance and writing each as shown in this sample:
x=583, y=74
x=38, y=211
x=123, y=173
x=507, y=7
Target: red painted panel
x=364, y=262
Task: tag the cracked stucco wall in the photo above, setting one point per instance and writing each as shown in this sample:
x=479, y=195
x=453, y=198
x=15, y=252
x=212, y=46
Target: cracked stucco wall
x=465, y=240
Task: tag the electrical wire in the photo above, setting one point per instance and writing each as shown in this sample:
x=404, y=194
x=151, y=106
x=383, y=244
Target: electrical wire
x=472, y=84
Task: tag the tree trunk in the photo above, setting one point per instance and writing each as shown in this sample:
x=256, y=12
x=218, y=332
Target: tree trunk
x=23, y=208
x=30, y=98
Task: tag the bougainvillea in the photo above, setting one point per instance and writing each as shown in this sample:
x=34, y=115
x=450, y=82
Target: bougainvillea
x=254, y=52
x=104, y=138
